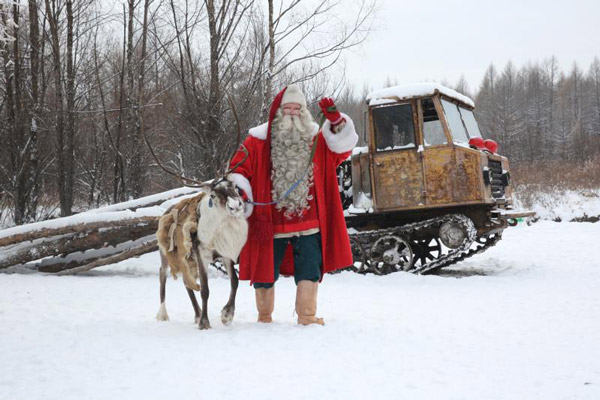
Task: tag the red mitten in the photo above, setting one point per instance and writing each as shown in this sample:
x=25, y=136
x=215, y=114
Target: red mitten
x=330, y=111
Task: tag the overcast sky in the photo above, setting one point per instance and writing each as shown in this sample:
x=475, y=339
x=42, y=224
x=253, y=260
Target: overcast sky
x=416, y=41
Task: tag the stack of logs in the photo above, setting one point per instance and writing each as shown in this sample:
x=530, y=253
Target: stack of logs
x=88, y=240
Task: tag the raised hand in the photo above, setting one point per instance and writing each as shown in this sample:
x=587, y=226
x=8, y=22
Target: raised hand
x=330, y=111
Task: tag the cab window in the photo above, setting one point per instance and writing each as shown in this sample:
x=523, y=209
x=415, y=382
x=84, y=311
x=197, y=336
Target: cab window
x=470, y=122
x=394, y=127
x=433, y=132
x=459, y=134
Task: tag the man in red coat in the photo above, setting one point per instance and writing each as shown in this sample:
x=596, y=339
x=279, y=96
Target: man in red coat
x=296, y=221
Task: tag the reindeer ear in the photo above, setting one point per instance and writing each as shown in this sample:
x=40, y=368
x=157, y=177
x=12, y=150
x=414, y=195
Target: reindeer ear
x=206, y=187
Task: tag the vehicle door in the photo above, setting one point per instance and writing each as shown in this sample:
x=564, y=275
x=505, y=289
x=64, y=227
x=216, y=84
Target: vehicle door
x=438, y=155
x=397, y=168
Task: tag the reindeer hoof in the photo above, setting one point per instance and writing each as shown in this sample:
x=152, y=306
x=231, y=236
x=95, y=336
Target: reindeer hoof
x=227, y=315
x=162, y=313
x=204, y=324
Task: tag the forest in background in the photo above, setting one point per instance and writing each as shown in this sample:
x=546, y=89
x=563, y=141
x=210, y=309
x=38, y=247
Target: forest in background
x=83, y=83
x=82, y=86
x=546, y=121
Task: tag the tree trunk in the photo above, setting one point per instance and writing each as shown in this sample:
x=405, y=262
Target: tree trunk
x=214, y=91
x=119, y=184
x=130, y=103
x=81, y=240
x=52, y=15
x=6, y=240
x=138, y=141
x=268, y=95
x=21, y=156
x=95, y=259
x=147, y=247
x=34, y=39
x=11, y=119
x=70, y=128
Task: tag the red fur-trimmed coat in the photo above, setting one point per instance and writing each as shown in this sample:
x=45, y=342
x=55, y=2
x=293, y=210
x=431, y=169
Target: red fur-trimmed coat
x=254, y=177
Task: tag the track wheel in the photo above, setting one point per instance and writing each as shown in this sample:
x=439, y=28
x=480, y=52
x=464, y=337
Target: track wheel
x=391, y=253
x=426, y=250
x=361, y=264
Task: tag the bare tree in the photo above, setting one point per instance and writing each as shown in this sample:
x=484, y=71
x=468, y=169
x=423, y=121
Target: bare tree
x=7, y=22
x=594, y=103
x=462, y=86
x=311, y=38
x=75, y=89
x=64, y=149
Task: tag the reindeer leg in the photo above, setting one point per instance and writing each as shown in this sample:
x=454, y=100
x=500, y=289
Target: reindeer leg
x=229, y=310
x=164, y=266
x=195, y=305
x=203, y=263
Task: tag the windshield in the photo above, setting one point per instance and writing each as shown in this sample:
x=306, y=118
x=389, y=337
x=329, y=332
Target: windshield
x=470, y=122
x=459, y=134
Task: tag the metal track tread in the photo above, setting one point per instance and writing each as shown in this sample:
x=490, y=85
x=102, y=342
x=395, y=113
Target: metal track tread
x=362, y=242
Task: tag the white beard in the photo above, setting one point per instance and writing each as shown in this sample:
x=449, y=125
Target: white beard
x=291, y=141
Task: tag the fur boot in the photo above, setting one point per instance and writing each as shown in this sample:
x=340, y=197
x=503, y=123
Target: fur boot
x=265, y=302
x=306, y=303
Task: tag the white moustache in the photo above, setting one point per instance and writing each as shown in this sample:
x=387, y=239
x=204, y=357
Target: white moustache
x=289, y=123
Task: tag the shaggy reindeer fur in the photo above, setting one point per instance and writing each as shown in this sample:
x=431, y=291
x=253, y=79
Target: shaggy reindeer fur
x=192, y=234
x=175, y=239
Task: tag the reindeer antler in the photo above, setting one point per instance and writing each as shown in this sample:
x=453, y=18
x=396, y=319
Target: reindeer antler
x=197, y=184
x=243, y=148
x=180, y=178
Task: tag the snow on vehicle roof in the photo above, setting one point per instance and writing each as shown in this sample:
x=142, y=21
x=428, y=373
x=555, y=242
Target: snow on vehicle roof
x=415, y=90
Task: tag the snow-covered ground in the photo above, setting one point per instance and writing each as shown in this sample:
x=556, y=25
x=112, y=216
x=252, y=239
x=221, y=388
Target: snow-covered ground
x=521, y=321
x=560, y=204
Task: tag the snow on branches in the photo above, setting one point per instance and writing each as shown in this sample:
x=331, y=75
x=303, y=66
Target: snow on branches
x=7, y=23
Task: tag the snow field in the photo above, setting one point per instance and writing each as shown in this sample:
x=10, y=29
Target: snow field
x=522, y=322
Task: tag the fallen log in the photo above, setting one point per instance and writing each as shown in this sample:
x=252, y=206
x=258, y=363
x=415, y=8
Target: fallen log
x=29, y=235
x=75, y=242
x=91, y=238
x=80, y=259
x=147, y=201
x=129, y=253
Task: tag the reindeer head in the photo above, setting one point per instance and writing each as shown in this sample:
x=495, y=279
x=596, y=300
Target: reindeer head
x=223, y=194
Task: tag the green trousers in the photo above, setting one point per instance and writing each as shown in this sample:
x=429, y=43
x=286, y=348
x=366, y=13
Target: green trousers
x=308, y=258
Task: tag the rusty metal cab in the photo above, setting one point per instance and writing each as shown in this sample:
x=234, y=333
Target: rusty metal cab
x=418, y=165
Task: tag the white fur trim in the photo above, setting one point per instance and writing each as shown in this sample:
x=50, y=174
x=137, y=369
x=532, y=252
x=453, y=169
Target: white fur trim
x=344, y=140
x=259, y=132
x=248, y=208
x=293, y=94
x=315, y=129
x=244, y=184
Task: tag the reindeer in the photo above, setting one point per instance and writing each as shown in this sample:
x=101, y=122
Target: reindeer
x=194, y=233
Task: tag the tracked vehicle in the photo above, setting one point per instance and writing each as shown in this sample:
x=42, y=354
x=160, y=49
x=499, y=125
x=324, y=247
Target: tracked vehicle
x=427, y=191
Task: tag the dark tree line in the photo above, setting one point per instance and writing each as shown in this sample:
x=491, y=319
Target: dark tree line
x=83, y=83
